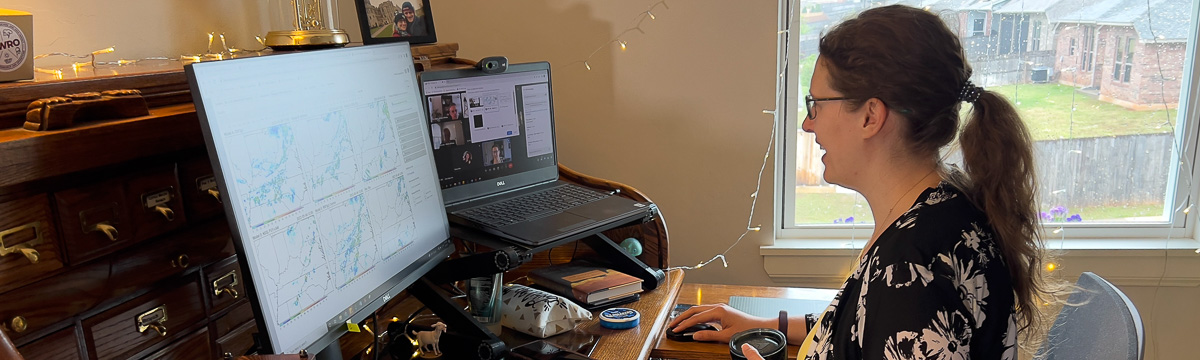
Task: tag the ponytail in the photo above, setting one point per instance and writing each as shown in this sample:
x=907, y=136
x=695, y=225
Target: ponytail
x=1000, y=178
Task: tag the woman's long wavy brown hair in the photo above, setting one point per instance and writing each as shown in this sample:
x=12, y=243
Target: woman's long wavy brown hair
x=911, y=60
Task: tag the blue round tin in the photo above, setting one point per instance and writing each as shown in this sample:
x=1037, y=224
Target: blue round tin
x=619, y=318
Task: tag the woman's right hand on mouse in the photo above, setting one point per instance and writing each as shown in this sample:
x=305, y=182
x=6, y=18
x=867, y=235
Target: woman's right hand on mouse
x=732, y=321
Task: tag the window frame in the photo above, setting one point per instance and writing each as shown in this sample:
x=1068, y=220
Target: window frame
x=1179, y=232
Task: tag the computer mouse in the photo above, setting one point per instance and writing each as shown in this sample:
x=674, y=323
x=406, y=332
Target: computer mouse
x=686, y=333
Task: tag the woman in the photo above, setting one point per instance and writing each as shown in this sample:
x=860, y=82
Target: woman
x=401, y=26
x=953, y=270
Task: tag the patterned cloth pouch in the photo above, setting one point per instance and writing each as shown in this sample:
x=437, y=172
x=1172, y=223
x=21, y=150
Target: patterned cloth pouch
x=539, y=313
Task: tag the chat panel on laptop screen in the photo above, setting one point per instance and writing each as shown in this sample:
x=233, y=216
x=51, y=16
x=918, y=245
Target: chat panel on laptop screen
x=485, y=127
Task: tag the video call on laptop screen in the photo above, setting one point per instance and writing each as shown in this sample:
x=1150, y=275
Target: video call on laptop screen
x=489, y=126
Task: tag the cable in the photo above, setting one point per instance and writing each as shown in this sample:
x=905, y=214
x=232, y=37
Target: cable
x=786, y=33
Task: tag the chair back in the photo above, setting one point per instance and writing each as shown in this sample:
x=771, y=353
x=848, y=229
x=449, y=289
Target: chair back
x=1097, y=323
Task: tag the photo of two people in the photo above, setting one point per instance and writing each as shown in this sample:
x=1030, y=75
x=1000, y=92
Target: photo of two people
x=396, y=20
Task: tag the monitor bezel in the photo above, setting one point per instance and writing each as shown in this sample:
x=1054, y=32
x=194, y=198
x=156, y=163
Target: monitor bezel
x=455, y=194
x=390, y=287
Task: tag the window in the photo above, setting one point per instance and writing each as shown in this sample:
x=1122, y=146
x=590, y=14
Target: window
x=1085, y=59
x=977, y=26
x=1037, y=36
x=1092, y=186
x=1118, y=60
x=1128, y=59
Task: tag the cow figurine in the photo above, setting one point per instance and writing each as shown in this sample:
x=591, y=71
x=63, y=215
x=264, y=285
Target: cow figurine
x=427, y=341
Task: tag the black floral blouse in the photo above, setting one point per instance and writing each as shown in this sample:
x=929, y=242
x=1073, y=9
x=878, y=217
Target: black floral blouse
x=933, y=286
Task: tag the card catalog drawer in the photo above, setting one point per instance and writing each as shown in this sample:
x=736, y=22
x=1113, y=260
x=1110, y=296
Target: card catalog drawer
x=224, y=284
x=237, y=342
x=156, y=207
x=238, y=315
x=201, y=196
x=28, y=243
x=61, y=345
x=193, y=347
x=94, y=218
x=140, y=323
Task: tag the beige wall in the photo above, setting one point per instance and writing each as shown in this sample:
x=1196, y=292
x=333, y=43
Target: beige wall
x=678, y=115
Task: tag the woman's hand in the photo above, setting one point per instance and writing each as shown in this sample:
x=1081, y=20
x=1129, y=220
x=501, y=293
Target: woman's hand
x=750, y=352
x=732, y=321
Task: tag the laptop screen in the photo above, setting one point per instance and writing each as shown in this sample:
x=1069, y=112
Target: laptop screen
x=491, y=132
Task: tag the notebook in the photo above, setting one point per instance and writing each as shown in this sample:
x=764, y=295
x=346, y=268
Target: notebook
x=495, y=151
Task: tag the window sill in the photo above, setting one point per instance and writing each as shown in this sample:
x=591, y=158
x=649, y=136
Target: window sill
x=825, y=263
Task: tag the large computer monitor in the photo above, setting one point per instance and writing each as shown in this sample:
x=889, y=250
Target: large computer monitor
x=323, y=159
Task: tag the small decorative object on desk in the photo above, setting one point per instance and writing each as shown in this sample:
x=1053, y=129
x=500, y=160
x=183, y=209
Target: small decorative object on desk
x=304, y=24
x=539, y=313
x=586, y=282
x=383, y=21
x=620, y=318
x=16, y=41
x=427, y=341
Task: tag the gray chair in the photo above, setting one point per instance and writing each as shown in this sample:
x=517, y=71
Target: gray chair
x=1098, y=322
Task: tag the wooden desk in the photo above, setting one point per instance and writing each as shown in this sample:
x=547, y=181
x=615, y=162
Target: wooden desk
x=654, y=307
x=711, y=293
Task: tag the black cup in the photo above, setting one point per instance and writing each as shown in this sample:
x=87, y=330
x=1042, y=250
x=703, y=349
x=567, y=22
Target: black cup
x=770, y=343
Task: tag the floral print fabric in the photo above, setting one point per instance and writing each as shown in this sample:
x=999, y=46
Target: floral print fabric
x=933, y=286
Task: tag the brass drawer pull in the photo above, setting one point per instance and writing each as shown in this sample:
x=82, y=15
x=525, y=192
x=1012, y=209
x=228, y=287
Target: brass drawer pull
x=18, y=324
x=155, y=319
x=226, y=284
x=157, y=201
x=109, y=231
x=25, y=248
x=166, y=212
x=182, y=261
x=208, y=184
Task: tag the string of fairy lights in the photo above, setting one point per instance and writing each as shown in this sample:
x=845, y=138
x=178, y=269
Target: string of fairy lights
x=214, y=38
x=620, y=38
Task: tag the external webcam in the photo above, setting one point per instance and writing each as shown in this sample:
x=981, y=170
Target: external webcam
x=492, y=64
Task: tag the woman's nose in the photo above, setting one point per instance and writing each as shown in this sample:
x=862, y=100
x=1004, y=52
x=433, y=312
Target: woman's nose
x=806, y=125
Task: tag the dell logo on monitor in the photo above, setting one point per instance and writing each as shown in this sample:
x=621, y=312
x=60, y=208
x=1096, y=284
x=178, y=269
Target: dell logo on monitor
x=499, y=183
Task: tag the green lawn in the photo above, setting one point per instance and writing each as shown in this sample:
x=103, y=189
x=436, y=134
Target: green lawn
x=825, y=208
x=1047, y=110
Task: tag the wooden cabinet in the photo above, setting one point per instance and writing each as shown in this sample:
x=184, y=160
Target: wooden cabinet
x=113, y=241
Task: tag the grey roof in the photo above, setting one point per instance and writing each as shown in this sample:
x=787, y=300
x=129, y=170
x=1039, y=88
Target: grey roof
x=1025, y=6
x=1170, y=18
x=962, y=5
x=1171, y=21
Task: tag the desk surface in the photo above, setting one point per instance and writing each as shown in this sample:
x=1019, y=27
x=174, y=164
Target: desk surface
x=654, y=307
x=709, y=294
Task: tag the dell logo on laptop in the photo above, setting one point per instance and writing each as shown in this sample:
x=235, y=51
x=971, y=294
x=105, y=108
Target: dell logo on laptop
x=499, y=183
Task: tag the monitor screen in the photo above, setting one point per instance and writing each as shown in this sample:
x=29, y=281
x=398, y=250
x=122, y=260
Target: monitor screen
x=490, y=126
x=325, y=171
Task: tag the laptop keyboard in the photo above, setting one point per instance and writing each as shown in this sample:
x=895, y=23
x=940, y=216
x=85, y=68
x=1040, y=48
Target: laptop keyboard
x=532, y=206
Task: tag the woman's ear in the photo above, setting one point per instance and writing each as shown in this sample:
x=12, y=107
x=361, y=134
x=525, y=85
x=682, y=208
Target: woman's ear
x=876, y=117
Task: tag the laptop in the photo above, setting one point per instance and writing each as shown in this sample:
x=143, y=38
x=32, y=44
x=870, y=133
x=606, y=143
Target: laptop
x=494, y=149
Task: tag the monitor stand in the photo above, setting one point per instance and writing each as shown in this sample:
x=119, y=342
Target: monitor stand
x=470, y=338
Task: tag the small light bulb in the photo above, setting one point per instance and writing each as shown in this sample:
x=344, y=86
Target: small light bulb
x=585, y=64
x=1058, y=230
x=651, y=15
x=395, y=319
x=624, y=46
x=754, y=228
x=104, y=51
x=1188, y=209
x=1051, y=266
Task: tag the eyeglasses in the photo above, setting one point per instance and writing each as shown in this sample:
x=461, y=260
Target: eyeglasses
x=809, y=100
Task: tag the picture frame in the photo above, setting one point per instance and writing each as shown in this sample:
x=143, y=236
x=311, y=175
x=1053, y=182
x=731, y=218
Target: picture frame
x=386, y=21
